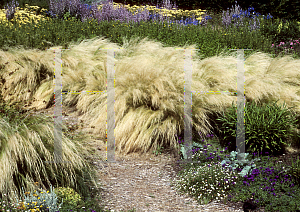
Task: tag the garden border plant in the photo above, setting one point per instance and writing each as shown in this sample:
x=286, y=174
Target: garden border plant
x=230, y=182
x=263, y=123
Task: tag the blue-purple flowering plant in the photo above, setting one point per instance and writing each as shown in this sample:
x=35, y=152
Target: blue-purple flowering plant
x=11, y=9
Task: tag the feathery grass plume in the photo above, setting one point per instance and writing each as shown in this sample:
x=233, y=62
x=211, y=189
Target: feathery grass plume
x=149, y=87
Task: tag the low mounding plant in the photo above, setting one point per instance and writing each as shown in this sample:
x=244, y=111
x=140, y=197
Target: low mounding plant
x=44, y=201
x=68, y=195
x=199, y=151
x=245, y=165
x=184, y=149
x=266, y=128
x=292, y=45
x=202, y=181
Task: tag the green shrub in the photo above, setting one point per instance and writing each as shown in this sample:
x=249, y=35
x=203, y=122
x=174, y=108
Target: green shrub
x=266, y=128
x=68, y=196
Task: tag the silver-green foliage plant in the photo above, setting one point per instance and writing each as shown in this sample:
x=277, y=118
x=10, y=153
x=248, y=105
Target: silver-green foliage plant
x=184, y=149
x=266, y=127
x=44, y=201
x=246, y=165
